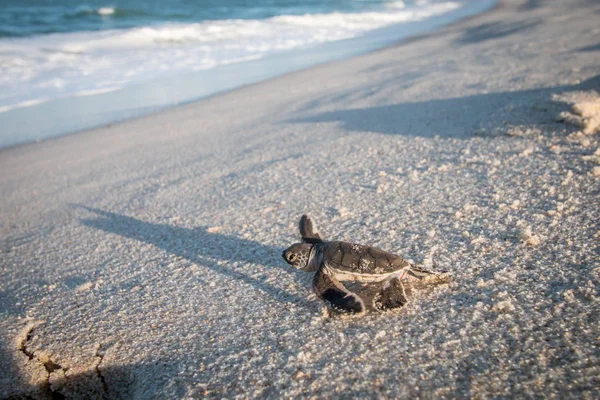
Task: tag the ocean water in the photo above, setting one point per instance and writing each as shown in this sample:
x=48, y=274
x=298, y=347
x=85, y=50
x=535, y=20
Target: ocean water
x=37, y=17
x=55, y=50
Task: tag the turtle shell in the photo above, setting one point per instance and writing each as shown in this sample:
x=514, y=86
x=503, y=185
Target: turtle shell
x=361, y=259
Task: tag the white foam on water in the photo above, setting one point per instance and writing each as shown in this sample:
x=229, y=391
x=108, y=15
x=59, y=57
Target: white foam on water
x=96, y=91
x=26, y=103
x=86, y=9
x=53, y=66
x=106, y=11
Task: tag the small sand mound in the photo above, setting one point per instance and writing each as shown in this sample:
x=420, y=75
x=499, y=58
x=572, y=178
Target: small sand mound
x=585, y=111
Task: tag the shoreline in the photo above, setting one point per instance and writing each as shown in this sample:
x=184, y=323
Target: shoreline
x=94, y=111
x=143, y=259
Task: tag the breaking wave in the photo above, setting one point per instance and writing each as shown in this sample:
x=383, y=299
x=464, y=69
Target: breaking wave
x=77, y=63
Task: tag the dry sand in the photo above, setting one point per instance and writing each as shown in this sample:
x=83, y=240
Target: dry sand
x=143, y=259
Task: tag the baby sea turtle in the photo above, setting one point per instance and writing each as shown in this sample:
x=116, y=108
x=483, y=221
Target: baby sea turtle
x=342, y=261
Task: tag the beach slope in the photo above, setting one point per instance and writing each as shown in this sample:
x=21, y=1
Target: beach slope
x=143, y=259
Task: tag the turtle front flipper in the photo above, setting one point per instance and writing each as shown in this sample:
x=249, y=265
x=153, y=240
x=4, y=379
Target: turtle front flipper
x=308, y=230
x=329, y=289
x=392, y=295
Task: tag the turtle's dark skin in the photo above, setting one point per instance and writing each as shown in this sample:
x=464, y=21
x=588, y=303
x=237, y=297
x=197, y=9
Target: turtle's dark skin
x=341, y=261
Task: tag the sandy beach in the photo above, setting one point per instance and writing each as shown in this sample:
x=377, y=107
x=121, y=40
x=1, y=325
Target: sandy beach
x=143, y=259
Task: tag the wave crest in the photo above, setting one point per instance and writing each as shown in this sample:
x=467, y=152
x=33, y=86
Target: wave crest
x=85, y=11
x=92, y=62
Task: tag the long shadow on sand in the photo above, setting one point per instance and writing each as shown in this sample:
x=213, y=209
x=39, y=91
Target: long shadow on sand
x=495, y=30
x=531, y=5
x=200, y=247
x=454, y=117
x=594, y=47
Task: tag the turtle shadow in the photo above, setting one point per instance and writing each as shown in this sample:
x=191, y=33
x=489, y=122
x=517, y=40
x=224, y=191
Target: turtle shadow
x=199, y=246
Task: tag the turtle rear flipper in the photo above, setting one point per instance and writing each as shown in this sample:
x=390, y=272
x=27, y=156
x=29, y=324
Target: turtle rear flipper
x=308, y=230
x=392, y=295
x=419, y=273
x=329, y=289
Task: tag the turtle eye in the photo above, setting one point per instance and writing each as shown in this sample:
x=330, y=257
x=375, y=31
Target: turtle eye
x=291, y=257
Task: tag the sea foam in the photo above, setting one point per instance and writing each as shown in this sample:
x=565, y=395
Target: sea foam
x=51, y=66
x=106, y=11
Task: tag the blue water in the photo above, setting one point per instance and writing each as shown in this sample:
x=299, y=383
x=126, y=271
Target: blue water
x=33, y=17
x=67, y=66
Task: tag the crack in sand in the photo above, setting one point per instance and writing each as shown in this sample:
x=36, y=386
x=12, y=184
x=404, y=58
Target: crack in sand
x=51, y=366
x=22, y=346
x=100, y=357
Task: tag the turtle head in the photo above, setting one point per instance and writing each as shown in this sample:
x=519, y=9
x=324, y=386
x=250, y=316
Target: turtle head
x=299, y=256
